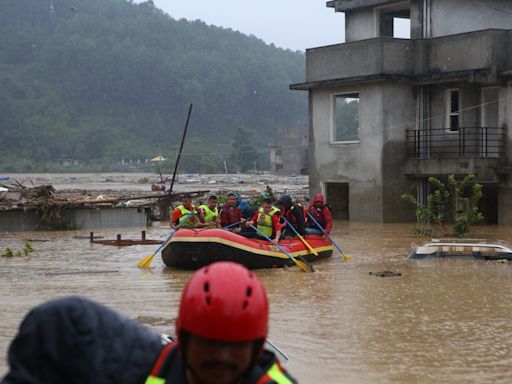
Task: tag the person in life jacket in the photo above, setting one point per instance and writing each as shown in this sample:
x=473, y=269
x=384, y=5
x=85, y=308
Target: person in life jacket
x=221, y=329
x=294, y=213
x=230, y=214
x=180, y=215
x=267, y=220
x=211, y=213
x=321, y=212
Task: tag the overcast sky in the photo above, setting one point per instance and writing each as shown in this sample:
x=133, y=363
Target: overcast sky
x=293, y=24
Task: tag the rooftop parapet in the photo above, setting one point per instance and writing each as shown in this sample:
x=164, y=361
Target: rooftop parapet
x=349, y=5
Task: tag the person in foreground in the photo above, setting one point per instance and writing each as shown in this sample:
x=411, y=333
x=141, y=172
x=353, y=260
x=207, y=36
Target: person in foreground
x=221, y=329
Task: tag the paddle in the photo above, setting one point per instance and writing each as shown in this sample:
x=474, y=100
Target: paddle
x=232, y=225
x=146, y=262
x=345, y=256
x=302, y=264
x=311, y=249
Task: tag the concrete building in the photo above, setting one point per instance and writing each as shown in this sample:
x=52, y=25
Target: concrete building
x=385, y=113
x=290, y=157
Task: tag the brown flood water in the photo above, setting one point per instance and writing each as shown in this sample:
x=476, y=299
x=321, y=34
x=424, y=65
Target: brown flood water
x=441, y=321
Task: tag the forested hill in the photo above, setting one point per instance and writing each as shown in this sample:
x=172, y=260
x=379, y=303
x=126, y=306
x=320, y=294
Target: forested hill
x=98, y=80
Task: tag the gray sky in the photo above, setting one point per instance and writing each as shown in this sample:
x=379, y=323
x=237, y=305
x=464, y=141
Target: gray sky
x=293, y=24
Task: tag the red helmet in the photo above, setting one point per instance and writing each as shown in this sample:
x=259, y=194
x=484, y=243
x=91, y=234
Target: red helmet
x=224, y=301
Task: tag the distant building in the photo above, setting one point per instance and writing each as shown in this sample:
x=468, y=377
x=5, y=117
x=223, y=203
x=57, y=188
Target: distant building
x=385, y=113
x=67, y=161
x=291, y=156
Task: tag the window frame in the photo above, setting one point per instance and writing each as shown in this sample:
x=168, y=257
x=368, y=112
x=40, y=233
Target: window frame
x=332, y=139
x=449, y=113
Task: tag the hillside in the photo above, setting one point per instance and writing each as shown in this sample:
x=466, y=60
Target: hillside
x=101, y=80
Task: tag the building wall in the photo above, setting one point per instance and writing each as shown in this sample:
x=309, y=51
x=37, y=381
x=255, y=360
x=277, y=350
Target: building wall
x=399, y=114
x=372, y=167
x=356, y=164
x=360, y=25
x=505, y=187
x=450, y=17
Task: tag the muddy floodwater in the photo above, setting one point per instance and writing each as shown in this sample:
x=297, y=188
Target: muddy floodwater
x=441, y=321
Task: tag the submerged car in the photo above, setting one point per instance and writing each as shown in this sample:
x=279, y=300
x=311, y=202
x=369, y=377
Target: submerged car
x=474, y=248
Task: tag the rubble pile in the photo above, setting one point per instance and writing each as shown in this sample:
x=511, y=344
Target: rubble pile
x=52, y=193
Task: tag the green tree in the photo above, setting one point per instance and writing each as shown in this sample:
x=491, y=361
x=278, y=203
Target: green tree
x=451, y=200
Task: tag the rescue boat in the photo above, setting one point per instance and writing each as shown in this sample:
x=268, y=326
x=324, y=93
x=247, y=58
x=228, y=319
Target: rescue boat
x=473, y=248
x=194, y=248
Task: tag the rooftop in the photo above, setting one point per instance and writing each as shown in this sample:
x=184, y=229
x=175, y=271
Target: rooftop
x=348, y=5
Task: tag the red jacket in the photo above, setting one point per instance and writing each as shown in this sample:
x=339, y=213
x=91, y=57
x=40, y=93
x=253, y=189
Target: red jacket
x=229, y=215
x=322, y=215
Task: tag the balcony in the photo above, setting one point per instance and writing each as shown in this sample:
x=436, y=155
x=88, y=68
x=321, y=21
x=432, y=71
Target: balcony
x=464, y=143
x=478, y=150
x=484, y=55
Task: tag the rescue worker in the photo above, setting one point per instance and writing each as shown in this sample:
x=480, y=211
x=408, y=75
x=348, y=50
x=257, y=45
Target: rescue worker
x=294, y=213
x=211, y=212
x=221, y=329
x=321, y=212
x=267, y=220
x=230, y=214
x=180, y=215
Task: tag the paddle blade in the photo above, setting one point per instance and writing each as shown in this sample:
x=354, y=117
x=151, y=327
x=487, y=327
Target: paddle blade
x=304, y=267
x=346, y=257
x=146, y=262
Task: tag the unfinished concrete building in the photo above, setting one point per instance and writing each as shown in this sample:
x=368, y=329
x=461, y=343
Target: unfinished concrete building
x=387, y=112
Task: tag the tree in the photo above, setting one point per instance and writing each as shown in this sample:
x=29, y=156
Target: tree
x=453, y=200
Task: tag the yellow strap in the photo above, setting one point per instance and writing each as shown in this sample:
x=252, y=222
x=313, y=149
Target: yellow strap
x=277, y=375
x=154, y=380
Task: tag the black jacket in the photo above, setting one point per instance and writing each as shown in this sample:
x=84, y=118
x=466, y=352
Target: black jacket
x=74, y=340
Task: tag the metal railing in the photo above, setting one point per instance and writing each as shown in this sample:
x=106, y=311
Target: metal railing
x=466, y=142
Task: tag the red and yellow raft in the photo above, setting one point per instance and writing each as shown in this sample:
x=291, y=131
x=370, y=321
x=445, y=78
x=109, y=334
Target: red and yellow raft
x=194, y=248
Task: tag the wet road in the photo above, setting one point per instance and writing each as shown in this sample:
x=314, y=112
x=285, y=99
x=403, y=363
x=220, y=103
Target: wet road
x=440, y=321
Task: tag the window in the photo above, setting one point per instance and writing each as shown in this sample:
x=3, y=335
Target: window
x=393, y=20
x=401, y=28
x=346, y=118
x=453, y=109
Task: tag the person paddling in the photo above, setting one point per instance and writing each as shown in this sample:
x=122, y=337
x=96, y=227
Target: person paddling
x=322, y=215
x=267, y=220
x=180, y=215
x=211, y=213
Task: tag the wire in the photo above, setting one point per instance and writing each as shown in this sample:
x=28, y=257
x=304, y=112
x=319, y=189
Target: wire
x=312, y=144
x=485, y=3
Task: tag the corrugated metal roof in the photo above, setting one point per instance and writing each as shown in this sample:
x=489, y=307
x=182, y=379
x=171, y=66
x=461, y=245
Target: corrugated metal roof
x=19, y=220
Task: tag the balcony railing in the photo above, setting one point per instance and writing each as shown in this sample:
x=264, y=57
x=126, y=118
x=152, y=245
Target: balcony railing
x=464, y=143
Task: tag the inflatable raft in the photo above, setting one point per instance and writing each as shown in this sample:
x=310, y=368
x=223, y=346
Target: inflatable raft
x=194, y=248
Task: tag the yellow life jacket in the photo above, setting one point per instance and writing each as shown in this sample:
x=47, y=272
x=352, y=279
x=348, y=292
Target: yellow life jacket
x=210, y=215
x=191, y=221
x=264, y=222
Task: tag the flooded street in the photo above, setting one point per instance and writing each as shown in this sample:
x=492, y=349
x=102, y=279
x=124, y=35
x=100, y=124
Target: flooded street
x=440, y=321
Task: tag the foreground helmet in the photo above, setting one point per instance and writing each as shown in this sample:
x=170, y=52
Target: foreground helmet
x=224, y=301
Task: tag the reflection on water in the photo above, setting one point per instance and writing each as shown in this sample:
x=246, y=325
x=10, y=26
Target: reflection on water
x=440, y=321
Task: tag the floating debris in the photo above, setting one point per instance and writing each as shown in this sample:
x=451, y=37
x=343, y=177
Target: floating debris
x=385, y=273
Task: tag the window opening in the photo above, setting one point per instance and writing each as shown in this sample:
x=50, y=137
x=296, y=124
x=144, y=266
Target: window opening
x=346, y=118
x=453, y=107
